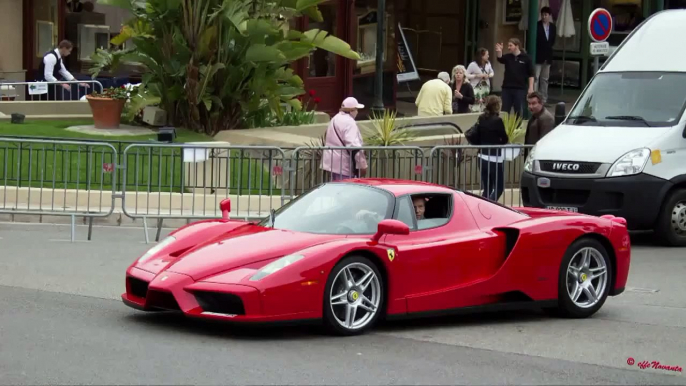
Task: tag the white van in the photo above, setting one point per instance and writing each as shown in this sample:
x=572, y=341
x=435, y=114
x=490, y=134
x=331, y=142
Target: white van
x=622, y=148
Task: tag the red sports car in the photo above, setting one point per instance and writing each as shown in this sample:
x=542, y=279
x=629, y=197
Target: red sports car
x=348, y=253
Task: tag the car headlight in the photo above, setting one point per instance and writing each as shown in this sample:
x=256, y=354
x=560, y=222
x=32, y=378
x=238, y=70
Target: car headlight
x=529, y=162
x=630, y=163
x=154, y=250
x=275, y=266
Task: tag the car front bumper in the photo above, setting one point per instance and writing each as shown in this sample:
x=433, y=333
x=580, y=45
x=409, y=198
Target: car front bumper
x=636, y=198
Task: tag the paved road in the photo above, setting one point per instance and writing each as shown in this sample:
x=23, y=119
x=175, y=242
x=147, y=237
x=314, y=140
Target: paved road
x=62, y=323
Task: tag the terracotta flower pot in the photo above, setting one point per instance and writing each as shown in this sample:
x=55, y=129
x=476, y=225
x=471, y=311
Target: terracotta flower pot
x=106, y=111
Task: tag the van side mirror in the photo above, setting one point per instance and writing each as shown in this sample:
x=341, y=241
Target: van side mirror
x=560, y=113
x=225, y=207
x=683, y=133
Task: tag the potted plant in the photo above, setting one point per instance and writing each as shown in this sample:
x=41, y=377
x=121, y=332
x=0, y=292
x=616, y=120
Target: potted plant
x=515, y=134
x=107, y=106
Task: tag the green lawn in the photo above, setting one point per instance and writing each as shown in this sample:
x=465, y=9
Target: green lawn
x=55, y=165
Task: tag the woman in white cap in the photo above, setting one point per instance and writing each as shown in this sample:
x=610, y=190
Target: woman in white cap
x=343, y=131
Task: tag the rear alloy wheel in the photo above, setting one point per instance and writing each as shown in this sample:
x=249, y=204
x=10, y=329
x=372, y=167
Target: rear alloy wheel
x=353, y=298
x=584, y=282
x=671, y=225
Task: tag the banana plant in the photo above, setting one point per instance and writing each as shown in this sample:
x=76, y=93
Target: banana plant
x=213, y=64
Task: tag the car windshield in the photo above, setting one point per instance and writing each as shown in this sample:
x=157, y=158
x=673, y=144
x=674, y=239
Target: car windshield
x=637, y=99
x=335, y=208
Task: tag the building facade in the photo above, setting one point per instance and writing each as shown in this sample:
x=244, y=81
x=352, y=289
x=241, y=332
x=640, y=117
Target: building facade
x=436, y=34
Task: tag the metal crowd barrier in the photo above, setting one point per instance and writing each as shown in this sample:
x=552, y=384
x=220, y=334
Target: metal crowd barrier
x=182, y=181
x=162, y=181
x=493, y=172
x=48, y=91
x=65, y=178
x=397, y=162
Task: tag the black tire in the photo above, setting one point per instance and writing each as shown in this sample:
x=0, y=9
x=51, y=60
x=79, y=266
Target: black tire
x=674, y=206
x=566, y=307
x=330, y=318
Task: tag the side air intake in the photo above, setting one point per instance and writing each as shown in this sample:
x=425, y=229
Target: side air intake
x=511, y=237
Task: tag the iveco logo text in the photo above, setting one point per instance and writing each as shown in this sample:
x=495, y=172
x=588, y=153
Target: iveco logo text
x=562, y=166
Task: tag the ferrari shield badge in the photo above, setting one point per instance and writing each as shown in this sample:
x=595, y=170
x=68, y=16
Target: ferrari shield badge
x=391, y=254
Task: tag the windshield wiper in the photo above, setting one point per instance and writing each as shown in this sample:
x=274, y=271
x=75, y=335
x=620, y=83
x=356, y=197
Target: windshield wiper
x=629, y=118
x=583, y=118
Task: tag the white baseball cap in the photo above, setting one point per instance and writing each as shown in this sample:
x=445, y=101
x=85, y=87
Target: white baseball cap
x=351, y=103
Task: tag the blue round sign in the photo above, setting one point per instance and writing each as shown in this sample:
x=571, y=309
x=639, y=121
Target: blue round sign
x=600, y=25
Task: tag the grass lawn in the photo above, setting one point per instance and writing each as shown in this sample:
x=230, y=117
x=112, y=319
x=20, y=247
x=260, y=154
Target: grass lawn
x=155, y=169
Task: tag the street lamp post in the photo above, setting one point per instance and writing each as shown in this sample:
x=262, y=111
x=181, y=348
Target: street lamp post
x=378, y=105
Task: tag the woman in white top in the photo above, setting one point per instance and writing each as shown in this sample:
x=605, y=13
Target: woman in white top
x=479, y=73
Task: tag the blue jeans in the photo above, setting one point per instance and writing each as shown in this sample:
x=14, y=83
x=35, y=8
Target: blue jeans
x=514, y=98
x=492, y=179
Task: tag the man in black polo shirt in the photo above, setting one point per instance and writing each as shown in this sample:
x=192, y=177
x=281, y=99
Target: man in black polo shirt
x=519, y=76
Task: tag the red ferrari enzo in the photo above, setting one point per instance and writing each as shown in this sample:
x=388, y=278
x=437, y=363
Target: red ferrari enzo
x=348, y=253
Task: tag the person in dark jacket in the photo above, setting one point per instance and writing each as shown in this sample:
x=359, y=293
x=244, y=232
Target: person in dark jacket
x=545, y=40
x=463, y=96
x=489, y=130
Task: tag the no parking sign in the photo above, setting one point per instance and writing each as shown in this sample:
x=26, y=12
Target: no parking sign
x=600, y=24
x=599, y=29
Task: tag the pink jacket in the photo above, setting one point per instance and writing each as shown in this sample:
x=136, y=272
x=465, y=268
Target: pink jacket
x=338, y=161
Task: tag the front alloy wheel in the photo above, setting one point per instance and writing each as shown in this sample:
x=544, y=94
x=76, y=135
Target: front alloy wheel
x=354, y=296
x=584, y=279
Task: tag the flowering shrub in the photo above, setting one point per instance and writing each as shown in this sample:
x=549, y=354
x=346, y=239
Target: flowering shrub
x=113, y=93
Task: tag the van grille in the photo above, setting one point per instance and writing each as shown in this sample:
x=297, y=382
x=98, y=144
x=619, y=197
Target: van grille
x=569, y=167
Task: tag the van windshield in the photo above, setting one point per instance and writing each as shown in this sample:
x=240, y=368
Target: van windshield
x=648, y=99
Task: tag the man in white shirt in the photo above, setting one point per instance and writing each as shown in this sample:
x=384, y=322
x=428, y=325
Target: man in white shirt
x=435, y=97
x=52, y=66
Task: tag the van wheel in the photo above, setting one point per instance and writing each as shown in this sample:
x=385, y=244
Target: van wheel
x=671, y=223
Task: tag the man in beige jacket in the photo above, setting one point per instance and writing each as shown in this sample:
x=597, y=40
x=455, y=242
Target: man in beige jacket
x=435, y=98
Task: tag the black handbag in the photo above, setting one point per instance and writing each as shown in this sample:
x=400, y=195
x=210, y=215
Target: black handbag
x=472, y=135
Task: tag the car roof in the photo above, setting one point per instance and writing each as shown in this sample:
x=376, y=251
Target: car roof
x=656, y=37
x=400, y=187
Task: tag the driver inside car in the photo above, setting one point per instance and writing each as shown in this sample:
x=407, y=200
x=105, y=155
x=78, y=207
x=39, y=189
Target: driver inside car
x=419, y=204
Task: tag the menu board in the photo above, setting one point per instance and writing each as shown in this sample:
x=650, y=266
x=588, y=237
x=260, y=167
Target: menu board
x=407, y=71
x=512, y=12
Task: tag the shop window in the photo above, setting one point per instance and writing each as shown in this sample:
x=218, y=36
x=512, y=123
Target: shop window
x=675, y=4
x=46, y=27
x=627, y=14
x=323, y=63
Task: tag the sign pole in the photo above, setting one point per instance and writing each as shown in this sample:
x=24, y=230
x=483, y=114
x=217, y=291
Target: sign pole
x=596, y=64
x=599, y=29
x=378, y=105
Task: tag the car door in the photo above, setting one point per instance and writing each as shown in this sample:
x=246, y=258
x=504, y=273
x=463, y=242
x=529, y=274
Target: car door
x=434, y=266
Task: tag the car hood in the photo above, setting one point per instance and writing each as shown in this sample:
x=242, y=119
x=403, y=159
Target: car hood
x=586, y=143
x=248, y=246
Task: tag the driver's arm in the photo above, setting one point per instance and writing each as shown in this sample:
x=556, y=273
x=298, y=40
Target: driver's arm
x=369, y=216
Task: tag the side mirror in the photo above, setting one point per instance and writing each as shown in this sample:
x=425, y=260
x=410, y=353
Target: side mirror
x=560, y=113
x=391, y=227
x=225, y=207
